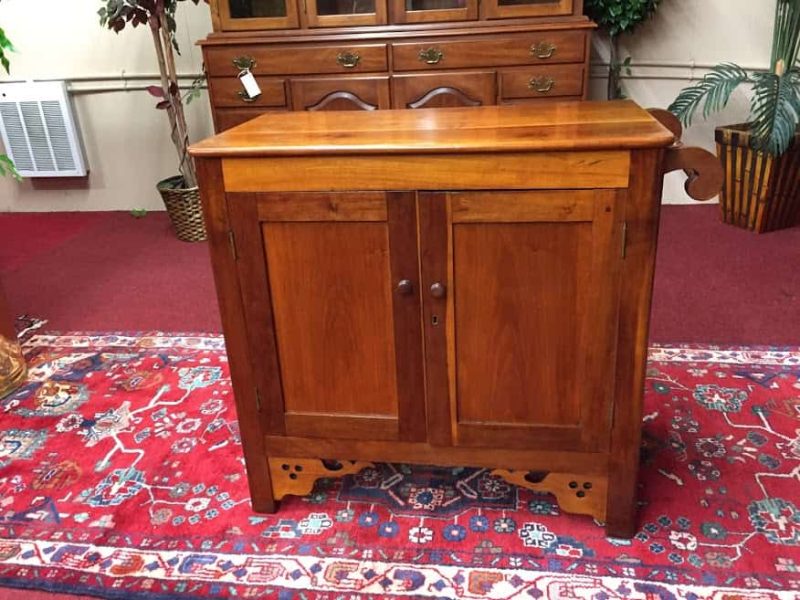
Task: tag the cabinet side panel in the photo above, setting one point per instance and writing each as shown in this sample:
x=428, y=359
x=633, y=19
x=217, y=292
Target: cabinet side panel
x=641, y=216
x=209, y=172
x=332, y=303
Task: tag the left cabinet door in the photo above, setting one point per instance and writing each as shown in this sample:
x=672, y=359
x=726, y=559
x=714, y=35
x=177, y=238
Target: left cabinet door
x=330, y=291
x=243, y=15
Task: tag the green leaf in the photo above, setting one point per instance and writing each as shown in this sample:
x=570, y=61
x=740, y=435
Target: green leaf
x=774, y=111
x=7, y=168
x=715, y=89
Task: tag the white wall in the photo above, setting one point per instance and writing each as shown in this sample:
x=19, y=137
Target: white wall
x=127, y=140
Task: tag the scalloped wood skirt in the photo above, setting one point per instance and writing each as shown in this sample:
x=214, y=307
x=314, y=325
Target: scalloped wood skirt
x=760, y=193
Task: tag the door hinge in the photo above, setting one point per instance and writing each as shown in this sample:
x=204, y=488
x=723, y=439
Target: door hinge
x=258, y=400
x=624, y=249
x=232, y=244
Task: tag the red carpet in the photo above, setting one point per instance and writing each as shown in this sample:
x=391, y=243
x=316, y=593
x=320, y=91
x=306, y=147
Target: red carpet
x=114, y=273
x=121, y=476
x=714, y=283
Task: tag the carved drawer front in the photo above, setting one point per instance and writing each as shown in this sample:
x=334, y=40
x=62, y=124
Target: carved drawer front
x=340, y=93
x=225, y=118
x=295, y=59
x=437, y=90
x=228, y=91
x=542, y=82
x=505, y=50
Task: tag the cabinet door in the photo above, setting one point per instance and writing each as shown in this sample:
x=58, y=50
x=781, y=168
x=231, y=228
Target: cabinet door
x=438, y=90
x=504, y=9
x=236, y=15
x=344, y=13
x=428, y=11
x=340, y=93
x=520, y=308
x=330, y=290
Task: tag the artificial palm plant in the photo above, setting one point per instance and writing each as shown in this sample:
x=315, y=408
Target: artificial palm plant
x=759, y=194
x=179, y=192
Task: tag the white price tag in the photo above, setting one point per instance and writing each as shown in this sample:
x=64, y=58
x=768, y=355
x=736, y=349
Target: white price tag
x=249, y=83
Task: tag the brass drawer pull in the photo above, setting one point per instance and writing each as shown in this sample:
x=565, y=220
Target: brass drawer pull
x=244, y=63
x=543, y=50
x=245, y=97
x=431, y=56
x=543, y=85
x=349, y=60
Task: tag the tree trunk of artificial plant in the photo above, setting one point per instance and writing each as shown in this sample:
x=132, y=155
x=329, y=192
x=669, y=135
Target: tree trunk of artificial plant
x=614, y=69
x=172, y=95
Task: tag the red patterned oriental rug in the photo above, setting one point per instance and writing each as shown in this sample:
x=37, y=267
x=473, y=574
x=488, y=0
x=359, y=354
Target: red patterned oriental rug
x=121, y=476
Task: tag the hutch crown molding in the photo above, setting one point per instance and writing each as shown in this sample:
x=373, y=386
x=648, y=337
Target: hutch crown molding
x=316, y=55
x=458, y=286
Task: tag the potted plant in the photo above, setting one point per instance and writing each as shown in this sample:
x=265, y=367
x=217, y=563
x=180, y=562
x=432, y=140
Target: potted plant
x=617, y=17
x=180, y=193
x=761, y=157
x=13, y=370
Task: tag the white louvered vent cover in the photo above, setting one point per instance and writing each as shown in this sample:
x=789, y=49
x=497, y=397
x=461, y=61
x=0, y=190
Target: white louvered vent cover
x=39, y=129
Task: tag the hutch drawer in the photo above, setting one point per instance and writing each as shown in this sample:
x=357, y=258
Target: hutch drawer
x=499, y=50
x=295, y=59
x=542, y=82
x=228, y=92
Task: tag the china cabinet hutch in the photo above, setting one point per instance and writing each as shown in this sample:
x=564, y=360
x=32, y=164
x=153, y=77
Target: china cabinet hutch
x=313, y=55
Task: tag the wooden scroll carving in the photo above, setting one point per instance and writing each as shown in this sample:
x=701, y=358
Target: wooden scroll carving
x=296, y=476
x=578, y=494
x=703, y=169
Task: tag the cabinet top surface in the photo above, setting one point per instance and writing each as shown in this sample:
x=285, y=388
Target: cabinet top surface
x=614, y=125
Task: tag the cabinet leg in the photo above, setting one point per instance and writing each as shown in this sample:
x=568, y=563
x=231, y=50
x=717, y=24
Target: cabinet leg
x=622, y=526
x=621, y=507
x=266, y=505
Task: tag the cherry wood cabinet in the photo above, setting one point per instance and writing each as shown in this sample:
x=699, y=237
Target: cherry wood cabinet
x=461, y=286
x=320, y=55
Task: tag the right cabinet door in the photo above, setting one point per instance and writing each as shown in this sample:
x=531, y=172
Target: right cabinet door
x=521, y=294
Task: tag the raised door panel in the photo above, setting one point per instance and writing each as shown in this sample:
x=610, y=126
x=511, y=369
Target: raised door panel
x=334, y=336
x=340, y=93
x=527, y=318
x=438, y=90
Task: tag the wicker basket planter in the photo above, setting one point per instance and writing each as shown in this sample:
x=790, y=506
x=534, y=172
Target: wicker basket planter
x=761, y=192
x=184, y=209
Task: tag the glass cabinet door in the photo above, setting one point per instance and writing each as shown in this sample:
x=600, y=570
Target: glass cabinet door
x=257, y=14
x=504, y=9
x=424, y=11
x=338, y=13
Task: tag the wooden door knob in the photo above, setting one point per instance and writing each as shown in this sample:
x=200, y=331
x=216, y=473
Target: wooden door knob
x=405, y=287
x=438, y=290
